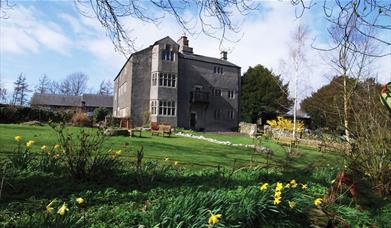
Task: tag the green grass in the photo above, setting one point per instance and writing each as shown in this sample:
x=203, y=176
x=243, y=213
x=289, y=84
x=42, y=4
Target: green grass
x=187, y=151
x=172, y=196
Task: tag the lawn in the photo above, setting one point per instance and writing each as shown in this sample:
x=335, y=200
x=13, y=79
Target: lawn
x=160, y=193
x=187, y=151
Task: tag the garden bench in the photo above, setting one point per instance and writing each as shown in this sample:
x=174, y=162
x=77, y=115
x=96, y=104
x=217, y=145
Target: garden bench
x=135, y=130
x=164, y=129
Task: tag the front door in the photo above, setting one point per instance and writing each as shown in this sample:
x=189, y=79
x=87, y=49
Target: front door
x=193, y=120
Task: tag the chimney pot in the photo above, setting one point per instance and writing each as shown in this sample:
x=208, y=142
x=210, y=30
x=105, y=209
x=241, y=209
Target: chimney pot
x=223, y=55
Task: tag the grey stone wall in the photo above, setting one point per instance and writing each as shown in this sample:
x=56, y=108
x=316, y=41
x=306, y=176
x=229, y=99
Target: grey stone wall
x=198, y=73
x=141, y=85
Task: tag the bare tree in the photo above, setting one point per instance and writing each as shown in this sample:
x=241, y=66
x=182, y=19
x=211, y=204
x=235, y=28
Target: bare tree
x=106, y=88
x=297, y=64
x=21, y=89
x=371, y=18
x=53, y=87
x=3, y=93
x=214, y=18
x=74, y=84
x=4, y=7
x=43, y=85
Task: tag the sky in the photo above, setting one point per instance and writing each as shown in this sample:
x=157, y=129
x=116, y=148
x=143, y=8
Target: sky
x=54, y=38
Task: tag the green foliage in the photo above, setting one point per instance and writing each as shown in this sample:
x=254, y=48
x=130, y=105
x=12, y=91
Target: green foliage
x=83, y=154
x=262, y=91
x=100, y=114
x=22, y=156
x=17, y=114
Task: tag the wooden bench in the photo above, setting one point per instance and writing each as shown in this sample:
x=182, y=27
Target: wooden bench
x=164, y=129
x=135, y=130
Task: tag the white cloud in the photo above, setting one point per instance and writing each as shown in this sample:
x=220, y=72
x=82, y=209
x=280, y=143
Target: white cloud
x=24, y=32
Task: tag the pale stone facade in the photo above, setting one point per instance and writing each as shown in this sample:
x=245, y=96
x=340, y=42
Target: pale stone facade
x=168, y=83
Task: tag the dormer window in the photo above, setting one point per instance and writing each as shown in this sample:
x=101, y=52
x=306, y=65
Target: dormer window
x=167, y=53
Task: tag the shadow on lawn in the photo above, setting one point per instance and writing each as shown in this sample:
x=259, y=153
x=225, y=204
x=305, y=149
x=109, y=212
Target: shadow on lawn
x=48, y=186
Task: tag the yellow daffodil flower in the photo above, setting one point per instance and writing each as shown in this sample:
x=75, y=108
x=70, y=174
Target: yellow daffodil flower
x=292, y=204
x=214, y=218
x=57, y=146
x=287, y=185
x=18, y=138
x=333, y=181
x=62, y=209
x=49, y=207
x=264, y=187
x=44, y=147
x=176, y=163
x=279, y=186
x=56, y=156
x=118, y=152
x=166, y=159
x=277, y=194
x=304, y=186
x=293, y=183
x=30, y=143
x=318, y=201
x=80, y=200
x=277, y=200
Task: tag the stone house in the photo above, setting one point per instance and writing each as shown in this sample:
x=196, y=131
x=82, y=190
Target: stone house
x=168, y=83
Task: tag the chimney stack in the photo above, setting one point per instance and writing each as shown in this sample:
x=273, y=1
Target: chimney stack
x=184, y=44
x=223, y=55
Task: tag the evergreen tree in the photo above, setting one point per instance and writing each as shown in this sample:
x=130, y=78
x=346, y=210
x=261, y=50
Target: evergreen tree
x=262, y=91
x=21, y=90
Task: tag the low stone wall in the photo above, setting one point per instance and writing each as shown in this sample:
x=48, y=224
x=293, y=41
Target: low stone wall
x=248, y=128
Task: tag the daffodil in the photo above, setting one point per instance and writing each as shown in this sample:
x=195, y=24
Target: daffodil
x=214, y=218
x=277, y=194
x=279, y=186
x=118, y=152
x=18, y=138
x=44, y=147
x=292, y=204
x=80, y=200
x=287, y=185
x=304, y=186
x=176, y=163
x=56, y=156
x=333, y=181
x=166, y=159
x=293, y=183
x=62, y=209
x=57, y=146
x=30, y=143
x=264, y=187
x=277, y=200
x=318, y=201
x=49, y=207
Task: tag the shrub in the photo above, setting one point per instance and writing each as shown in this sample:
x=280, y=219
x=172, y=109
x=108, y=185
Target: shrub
x=100, y=114
x=81, y=119
x=17, y=114
x=83, y=155
x=286, y=124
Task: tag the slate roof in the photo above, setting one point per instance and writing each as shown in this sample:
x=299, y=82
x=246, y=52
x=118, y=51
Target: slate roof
x=207, y=59
x=91, y=100
x=299, y=113
x=96, y=100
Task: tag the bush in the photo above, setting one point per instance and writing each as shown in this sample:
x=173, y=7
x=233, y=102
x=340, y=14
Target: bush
x=83, y=155
x=18, y=114
x=81, y=119
x=100, y=114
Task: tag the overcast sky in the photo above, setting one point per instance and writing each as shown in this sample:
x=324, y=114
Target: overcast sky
x=53, y=38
